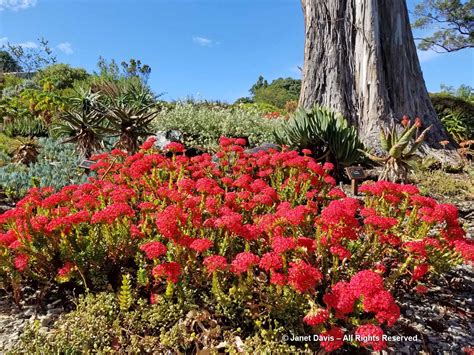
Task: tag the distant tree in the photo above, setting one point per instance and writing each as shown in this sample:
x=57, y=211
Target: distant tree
x=108, y=70
x=131, y=69
x=261, y=83
x=465, y=92
x=136, y=68
x=31, y=58
x=277, y=93
x=453, y=21
x=61, y=75
x=8, y=64
x=243, y=100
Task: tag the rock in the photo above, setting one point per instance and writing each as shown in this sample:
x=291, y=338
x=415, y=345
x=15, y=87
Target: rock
x=163, y=138
x=265, y=147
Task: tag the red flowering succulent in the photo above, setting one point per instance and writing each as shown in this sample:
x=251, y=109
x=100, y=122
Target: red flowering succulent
x=274, y=216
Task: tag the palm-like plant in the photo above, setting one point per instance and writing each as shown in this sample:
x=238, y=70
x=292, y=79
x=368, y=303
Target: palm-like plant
x=399, y=153
x=83, y=124
x=326, y=133
x=129, y=114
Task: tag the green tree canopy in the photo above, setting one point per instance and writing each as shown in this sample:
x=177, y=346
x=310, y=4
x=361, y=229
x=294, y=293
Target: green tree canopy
x=277, y=93
x=452, y=20
x=61, y=75
x=8, y=64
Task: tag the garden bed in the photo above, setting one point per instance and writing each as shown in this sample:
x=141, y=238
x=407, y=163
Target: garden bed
x=241, y=260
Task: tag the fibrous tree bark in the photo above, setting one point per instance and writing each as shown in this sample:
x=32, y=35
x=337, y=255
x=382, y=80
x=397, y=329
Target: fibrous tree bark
x=360, y=59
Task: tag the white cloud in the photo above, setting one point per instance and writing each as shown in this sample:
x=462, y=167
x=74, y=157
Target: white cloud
x=66, y=48
x=426, y=56
x=3, y=41
x=16, y=5
x=203, y=41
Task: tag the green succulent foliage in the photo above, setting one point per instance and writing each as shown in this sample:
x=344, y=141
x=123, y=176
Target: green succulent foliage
x=56, y=166
x=456, y=111
x=399, y=152
x=125, y=296
x=83, y=124
x=455, y=123
x=25, y=125
x=129, y=113
x=324, y=132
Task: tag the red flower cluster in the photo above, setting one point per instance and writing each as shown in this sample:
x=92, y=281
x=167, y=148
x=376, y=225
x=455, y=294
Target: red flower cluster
x=271, y=221
x=153, y=249
x=171, y=271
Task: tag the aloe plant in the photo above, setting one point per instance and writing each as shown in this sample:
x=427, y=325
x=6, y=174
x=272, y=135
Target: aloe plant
x=129, y=113
x=83, y=124
x=326, y=133
x=399, y=152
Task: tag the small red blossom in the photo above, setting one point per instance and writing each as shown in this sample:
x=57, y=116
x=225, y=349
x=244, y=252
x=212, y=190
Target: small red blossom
x=201, y=245
x=316, y=317
x=150, y=143
x=66, y=269
x=418, y=122
x=405, y=121
x=21, y=262
x=282, y=244
x=420, y=271
x=153, y=249
x=333, y=339
x=174, y=147
x=243, y=262
x=214, y=263
x=371, y=335
x=421, y=289
x=278, y=279
x=271, y=261
x=171, y=271
x=302, y=276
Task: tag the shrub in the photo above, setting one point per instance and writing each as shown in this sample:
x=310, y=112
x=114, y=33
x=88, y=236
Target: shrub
x=261, y=108
x=203, y=126
x=456, y=123
x=263, y=233
x=447, y=105
x=61, y=75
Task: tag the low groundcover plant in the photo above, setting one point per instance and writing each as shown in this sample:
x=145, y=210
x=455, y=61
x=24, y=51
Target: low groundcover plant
x=256, y=234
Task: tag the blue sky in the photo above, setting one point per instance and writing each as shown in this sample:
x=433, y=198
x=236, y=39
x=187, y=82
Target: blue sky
x=212, y=49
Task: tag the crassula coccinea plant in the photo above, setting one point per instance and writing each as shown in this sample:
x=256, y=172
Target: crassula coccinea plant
x=266, y=231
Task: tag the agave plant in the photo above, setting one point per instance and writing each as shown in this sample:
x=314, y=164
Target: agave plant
x=326, y=133
x=129, y=114
x=83, y=124
x=399, y=153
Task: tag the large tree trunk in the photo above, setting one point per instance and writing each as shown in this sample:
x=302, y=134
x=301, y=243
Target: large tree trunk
x=360, y=59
